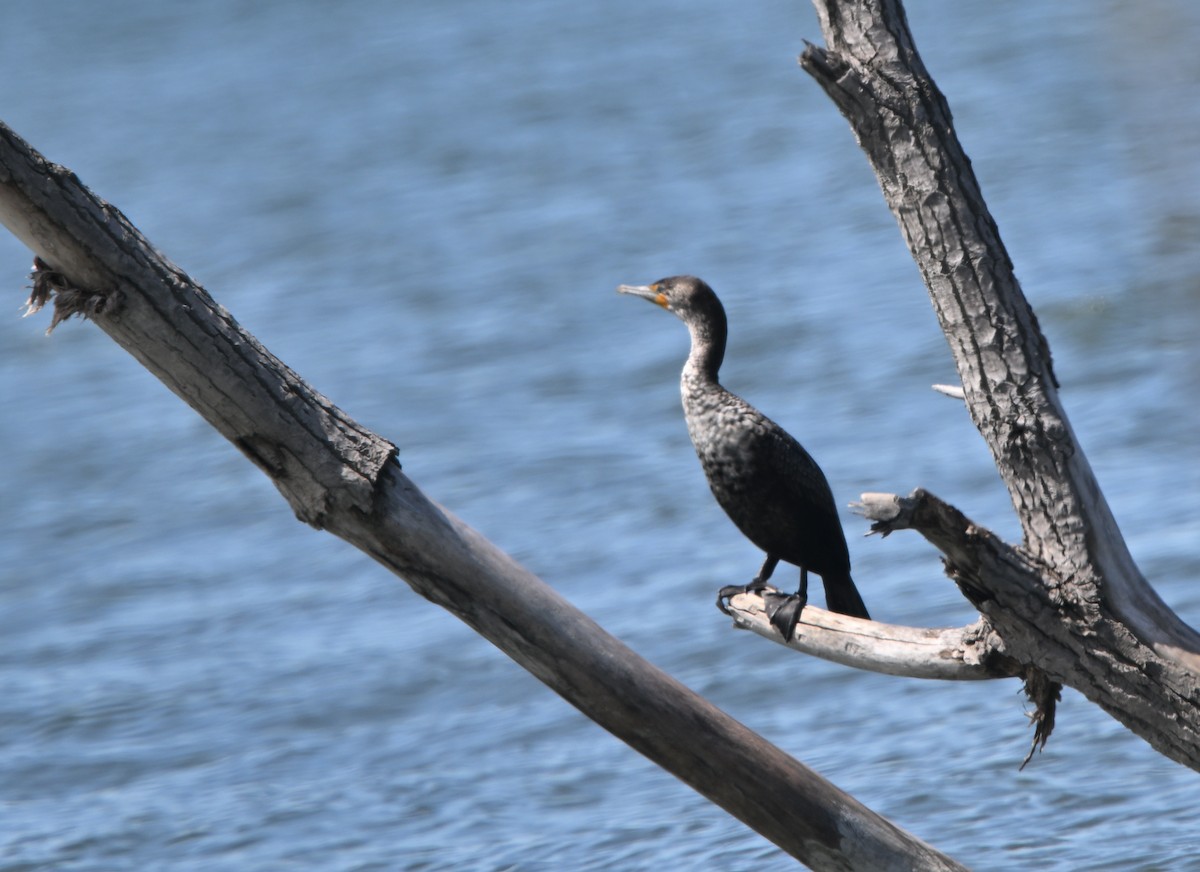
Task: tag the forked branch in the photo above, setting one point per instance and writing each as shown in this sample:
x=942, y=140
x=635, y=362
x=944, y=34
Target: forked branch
x=1070, y=602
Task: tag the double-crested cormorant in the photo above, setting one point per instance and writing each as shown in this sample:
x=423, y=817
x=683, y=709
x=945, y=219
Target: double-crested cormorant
x=763, y=478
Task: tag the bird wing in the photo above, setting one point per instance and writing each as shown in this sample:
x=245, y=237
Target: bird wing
x=800, y=502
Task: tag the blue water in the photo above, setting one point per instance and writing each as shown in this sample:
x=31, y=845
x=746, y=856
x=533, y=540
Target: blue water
x=425, y=209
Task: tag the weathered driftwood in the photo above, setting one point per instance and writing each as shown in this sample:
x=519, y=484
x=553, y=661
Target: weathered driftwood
x=970, y=653
x=1069, y=604
x=341, y=477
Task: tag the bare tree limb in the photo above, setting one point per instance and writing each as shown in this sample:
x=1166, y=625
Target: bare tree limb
x=1070, y=601
x=970, y=653
x=341, y=477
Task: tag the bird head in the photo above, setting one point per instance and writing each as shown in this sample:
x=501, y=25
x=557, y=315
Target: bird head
x=683, y=295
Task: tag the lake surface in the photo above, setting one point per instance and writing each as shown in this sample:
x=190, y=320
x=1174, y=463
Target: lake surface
x=425, y=209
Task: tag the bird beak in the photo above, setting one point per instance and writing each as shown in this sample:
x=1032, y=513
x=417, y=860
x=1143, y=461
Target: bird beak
x=646, y=292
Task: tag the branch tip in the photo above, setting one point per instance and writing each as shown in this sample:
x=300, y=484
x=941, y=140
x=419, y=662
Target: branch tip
x=953, y=391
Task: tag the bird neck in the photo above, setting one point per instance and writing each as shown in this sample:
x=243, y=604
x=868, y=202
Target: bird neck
x=708, y=347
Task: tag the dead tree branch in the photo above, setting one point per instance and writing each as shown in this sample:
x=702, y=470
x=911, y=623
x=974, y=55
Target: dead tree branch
x=1069, y=601
x=970, y=653
x=341, y=477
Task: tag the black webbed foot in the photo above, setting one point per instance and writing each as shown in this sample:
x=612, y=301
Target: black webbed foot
x=783, y=610
x=729, y=590
x=758, y=585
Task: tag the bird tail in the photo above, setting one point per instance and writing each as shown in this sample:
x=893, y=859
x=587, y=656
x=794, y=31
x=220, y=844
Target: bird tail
x=841, y=596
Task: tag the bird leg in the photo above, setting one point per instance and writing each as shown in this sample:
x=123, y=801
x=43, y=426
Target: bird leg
x=783, y=610
x=757, y=586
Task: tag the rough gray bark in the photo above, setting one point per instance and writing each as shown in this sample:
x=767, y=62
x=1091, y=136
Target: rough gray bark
x=338, y=476
x=1069, y=601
